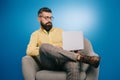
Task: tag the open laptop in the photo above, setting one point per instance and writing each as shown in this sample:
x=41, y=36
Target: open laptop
x=73, y=40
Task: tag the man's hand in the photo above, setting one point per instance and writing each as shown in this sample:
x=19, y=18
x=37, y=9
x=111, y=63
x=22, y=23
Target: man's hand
x=59, y=47
x=75, y=51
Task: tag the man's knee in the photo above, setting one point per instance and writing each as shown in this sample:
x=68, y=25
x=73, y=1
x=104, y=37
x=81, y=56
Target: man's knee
x=44, y=46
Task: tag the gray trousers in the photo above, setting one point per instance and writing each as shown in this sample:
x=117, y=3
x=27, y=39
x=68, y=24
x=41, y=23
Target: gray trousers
x=53, y=58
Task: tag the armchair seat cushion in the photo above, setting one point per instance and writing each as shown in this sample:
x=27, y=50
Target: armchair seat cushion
x=50, y=75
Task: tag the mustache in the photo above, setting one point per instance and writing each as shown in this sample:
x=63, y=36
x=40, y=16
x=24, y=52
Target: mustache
x=49, y=23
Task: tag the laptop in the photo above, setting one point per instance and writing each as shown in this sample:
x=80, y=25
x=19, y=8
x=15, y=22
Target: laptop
x=73, y=40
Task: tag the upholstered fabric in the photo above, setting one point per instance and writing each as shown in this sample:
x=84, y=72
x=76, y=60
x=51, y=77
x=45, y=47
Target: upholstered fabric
x=50, y=75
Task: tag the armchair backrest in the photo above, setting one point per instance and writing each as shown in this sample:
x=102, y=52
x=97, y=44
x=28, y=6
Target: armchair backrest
x=88, y=47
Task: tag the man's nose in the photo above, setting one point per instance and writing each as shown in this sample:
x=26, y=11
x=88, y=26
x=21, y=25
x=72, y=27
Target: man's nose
x=49, y=19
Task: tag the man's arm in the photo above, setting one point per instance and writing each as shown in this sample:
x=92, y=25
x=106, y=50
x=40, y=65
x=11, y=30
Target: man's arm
x=33, y=48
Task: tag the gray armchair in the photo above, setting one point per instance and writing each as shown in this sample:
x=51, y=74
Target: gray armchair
x=32, y=70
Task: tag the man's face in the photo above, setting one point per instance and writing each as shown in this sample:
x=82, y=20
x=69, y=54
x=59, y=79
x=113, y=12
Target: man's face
x=45, y=19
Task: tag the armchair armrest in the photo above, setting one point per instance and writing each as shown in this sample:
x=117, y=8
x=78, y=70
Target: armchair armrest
x=92, y=73
x=29, y=67
x=88, y=72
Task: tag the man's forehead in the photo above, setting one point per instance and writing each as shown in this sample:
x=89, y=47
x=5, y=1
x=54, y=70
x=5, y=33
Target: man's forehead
x=46, y=13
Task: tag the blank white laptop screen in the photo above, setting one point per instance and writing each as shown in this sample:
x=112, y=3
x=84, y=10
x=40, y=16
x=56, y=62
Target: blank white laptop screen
x=73, y=40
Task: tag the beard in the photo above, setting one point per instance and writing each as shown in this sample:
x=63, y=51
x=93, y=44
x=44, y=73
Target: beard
x=46, y=26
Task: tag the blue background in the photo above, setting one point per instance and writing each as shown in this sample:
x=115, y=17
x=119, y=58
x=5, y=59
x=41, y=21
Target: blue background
x=18, y=19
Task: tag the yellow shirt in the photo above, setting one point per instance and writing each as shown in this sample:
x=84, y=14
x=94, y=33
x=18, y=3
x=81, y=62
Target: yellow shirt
x=41, y=36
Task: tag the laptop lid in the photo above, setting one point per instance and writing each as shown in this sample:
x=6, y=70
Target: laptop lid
x=73, y=40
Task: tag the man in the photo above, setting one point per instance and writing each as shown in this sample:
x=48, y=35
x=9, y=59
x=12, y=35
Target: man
x=47, y=42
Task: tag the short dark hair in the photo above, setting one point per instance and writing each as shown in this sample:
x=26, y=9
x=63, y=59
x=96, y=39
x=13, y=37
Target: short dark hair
x=44, y=9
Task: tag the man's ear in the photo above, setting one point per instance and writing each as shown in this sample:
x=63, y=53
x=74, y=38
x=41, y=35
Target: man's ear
x=39, y=19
